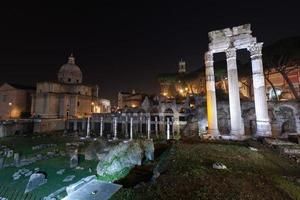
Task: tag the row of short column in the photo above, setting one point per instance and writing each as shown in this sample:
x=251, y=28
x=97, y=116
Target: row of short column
x=261, y=108
x=115, y=128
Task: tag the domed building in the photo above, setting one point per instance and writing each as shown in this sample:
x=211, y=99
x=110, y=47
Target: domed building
x=66, y=98
x=70, y=73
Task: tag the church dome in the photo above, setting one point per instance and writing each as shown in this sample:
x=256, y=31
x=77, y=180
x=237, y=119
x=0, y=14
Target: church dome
x=70, y=73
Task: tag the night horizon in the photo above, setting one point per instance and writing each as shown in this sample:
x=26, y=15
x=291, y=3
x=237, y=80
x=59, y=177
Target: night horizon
x=124, y=46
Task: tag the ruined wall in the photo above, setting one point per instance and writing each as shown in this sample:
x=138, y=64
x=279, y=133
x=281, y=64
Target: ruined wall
x=48, y=125
x=284, y=116
x=13, y=127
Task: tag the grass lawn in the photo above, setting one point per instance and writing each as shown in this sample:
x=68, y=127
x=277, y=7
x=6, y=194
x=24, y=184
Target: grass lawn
x=24, y=145
x=250, y=175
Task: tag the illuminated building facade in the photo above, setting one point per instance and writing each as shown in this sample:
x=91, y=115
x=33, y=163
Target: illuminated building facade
x=15, y=100
x=130, y=100
x=182, y=84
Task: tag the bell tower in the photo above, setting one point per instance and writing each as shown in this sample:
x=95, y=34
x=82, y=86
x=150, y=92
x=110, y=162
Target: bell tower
x=181, y=66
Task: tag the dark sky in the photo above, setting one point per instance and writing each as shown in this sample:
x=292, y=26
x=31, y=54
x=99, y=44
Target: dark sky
x=122, y=46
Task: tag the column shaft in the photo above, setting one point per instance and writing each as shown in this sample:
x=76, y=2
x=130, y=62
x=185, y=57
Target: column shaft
x=234, y=93
x=263, y=127
x=131, y=131
x=211, y=101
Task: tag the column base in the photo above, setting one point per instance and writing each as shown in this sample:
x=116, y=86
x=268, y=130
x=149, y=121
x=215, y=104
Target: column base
x=237, y=133
x=263, y=129
x=235, y=137
x=213, y=133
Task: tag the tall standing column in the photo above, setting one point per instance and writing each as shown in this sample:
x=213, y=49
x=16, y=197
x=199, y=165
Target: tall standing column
x=141, y=126
x=168, y=128
x=115, y=128
x=101, y=126
x=234, y=94
x=131, y=131
x=263, y=127
x=88, y=128
x=211, y=101
x=126, y=126
x=149, y=128
x=156, y=126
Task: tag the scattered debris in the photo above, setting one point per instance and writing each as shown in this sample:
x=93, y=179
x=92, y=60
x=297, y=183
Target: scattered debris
x=69, y=178
x=218, y=165
x=61, y=171
x=35, y=180
x=253, y=149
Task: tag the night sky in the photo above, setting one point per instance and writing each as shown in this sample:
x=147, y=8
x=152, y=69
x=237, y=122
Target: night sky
x=123, y=46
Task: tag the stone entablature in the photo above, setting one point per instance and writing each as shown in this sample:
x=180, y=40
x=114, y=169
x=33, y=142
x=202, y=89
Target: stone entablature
x=239, y=37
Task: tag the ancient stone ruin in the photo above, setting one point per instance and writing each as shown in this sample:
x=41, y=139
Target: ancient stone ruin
x=229, y=41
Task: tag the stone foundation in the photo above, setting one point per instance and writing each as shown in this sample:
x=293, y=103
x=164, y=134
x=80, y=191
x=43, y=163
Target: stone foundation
x=284, y=117
x=48, y=125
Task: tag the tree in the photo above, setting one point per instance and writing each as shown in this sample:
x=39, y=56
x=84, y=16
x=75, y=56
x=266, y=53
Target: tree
x=284, y=57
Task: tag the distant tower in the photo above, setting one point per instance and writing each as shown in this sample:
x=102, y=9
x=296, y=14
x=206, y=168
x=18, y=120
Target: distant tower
x=182, y=66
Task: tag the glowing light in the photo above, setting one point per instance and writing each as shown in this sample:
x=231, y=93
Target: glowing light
x=133, y=105
x=10, y=103
x=165, y=94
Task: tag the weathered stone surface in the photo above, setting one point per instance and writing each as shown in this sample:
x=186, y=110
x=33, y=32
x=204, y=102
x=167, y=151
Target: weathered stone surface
x=61, y=171
x=219, y=165
x=293, y=151
x=69, y=178
x=120, y=159
x=35, y=180
x=17, y=159
x=73, y=187
x=148, y=147
x=92, y=189
x=28, y=174
x=74, y=159
x=93, y=149
x=1, y=162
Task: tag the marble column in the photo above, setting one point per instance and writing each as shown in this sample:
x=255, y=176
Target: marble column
x=88, y=128
x=168, y=128
x=115, y=128
x=156, y=126
x=101, y=126
x=141, y=126
x=234, y=94
x=149, y=128
x=211, y=100
x=263, y=127
x=131, y=131
x=126, y=126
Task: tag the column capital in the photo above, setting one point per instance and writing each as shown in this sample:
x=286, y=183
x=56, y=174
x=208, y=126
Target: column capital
x=208, y=58
x=230, y=53
x=255, y=50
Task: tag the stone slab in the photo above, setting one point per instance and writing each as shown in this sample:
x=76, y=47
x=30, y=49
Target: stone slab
x=94, y=190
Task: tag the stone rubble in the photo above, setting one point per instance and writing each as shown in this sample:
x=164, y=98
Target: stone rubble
x=61, y=171
x=35, y=181
x=69, y=178
x=218, y=165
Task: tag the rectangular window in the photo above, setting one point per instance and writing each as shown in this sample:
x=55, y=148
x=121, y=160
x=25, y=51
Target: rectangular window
x=78, y=103
x=4, y=98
